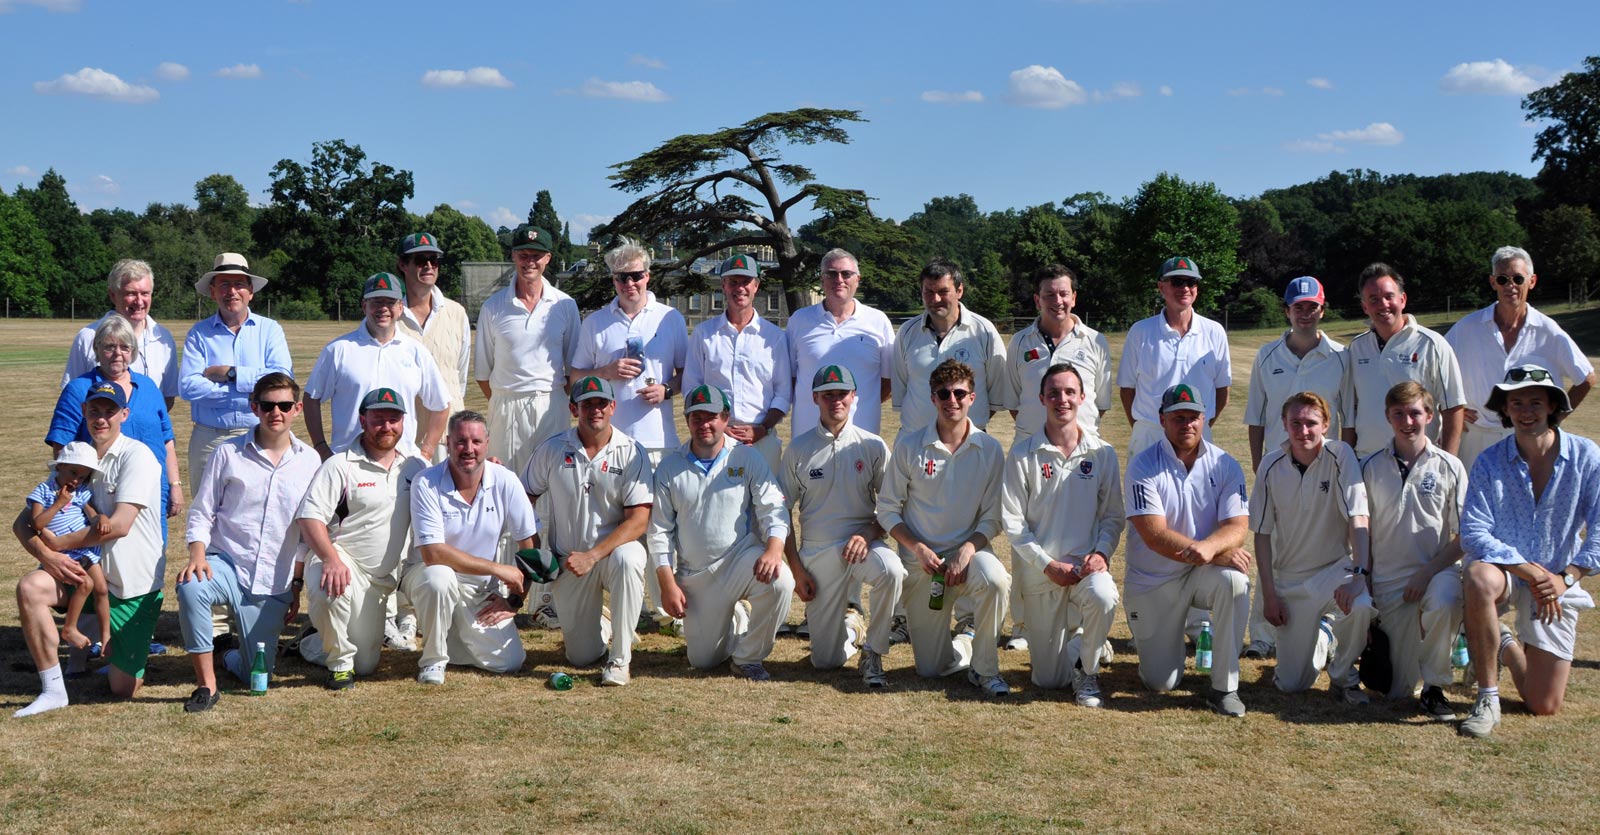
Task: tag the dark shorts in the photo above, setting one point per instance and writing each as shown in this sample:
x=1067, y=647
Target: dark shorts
x=133, y=624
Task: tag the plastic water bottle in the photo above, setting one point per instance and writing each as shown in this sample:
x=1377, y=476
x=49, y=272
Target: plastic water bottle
x=1459, y=659
x=560, y=681
x=258, y=671
x=936, y=591
x=1202, y=648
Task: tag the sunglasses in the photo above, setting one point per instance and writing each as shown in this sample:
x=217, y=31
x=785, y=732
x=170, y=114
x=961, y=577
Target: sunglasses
x=839, y=273
x=1180, y=281
x=948, y=394
x=629, y=277
x=425, y=258
x=285, y=406
x=1512, y=278
x=1538, y=375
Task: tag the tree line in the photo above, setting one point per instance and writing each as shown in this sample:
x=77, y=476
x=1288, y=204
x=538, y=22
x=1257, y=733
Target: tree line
x=333, y=219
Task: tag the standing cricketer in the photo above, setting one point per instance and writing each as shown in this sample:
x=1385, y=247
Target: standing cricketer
x=1056, y=336
x=1175, y=346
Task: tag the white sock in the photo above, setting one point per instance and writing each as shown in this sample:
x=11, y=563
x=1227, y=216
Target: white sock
x=52, y=693
x=1493, y=694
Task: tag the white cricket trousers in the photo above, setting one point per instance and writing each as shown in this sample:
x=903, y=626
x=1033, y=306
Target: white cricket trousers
x=885, y=578
x=989, y=586
x=349, y=632
x=518, y=423
x=447, y=617
x=1475, y=439
x=1302, y=646
x=1156, y=619
x=1053, y=616
x=1422, y=633
x=579, y=602
x=709, y=623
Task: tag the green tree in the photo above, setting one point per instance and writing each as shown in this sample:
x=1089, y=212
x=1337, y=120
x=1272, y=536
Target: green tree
x=465, y=238
x=28, y=267
x=223, y=212
x=1570, y=144
x=707, y=191
x=1566, y=252
x=337, y=218
x=1268, y=253
x=1167, y=217
x=885, y=252
x=79, y=252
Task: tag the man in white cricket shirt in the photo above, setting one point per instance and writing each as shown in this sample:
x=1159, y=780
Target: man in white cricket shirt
x=945, y=330
x=1175, y=346
x=1057, y=336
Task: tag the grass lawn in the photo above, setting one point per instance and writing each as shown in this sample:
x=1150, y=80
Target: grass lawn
x=680, y=751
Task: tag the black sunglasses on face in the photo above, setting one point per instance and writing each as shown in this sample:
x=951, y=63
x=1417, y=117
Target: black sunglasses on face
x=630, y=276
x=427, y=258
x=285, y=406
x=1511, y=278
x=946, y=394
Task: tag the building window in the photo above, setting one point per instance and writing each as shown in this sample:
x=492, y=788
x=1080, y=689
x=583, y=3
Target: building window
x=694, y=303
x=772, y=302
x=716, y=300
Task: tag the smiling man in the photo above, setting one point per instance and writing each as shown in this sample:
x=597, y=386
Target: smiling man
x=839, y=330
x=439, y=322
x=1508, y=333
x=746, y=356
x=1395, y=349
x=1177, y=346
x=1057, y=336
x=946, y=329
x=131, y=285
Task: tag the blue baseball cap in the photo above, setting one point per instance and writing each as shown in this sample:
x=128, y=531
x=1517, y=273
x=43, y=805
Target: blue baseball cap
x=107, y=391
x=1304, y=288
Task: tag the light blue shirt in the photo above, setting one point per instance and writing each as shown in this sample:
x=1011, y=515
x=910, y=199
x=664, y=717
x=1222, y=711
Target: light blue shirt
x=257, y=349
x=1505, y=526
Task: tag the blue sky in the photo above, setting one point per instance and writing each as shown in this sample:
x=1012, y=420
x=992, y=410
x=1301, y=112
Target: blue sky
x=1015, y=103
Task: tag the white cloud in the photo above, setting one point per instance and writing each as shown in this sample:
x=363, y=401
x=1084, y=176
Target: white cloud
x=7, y=6
x=647, y=62
x=641, y=91
x=239, y=71
x=1164, y=90
x=98, y=83
x=503, y=216
x=1119, y=90
x=20, y=171
x=1377, y=133
x=1312, y=146
x=169, y=71
x=475, y=77
x=1253, y=91
x=465, y=205
x=1319, y=83
x=952, y=97
x=106, y=185
x=582, y=223
x=1043, y=87
x=1488, y=78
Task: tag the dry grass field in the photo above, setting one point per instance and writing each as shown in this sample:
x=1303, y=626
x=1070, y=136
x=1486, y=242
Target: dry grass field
x=681, y=751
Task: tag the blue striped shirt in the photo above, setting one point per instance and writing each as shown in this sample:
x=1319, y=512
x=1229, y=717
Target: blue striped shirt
x=1504, y=525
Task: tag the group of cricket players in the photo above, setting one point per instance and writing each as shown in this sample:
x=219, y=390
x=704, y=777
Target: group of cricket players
x=1410, y=485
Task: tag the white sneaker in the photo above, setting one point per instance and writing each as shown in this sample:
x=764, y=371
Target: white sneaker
x=741, y=617
x=432, y=674
x=753, y=672
x=1483, y=719
x=1086, y=687
x=855, y=631
x=990, y=685
x=1017, y=642
x=545, y=616
x=1106, y=653
x=614, y=674
x=962, y=644
x=871, y=665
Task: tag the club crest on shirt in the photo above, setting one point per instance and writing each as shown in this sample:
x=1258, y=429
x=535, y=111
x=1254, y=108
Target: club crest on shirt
x=1047, y=470
x=1086, y=469
x=1323, y=486
x=605, y=466
x=567, y=462
x=860, y=465
x=816, y=473
x=735, y=473
x=963, y=354
x=1428, y=485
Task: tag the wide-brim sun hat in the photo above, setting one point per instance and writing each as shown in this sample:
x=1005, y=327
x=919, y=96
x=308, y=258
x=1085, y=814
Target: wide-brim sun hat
x=229, y=263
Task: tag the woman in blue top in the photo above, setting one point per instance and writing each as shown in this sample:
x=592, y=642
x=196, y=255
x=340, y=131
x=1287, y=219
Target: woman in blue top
x=115, y=347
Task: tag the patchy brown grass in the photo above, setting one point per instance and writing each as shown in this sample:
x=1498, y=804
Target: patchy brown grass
x=684, y=752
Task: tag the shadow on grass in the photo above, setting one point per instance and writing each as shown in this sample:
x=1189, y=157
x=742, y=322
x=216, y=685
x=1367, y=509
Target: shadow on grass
x=1583, y=326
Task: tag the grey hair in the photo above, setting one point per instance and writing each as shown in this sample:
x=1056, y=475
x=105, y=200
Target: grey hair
x=117, y=328
x=626, y=253
x=467, y=416
x=1510, y=253
x=837, y=254
x=126, y=270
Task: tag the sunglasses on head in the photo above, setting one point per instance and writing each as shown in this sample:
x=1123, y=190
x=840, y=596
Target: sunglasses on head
x=285, y=406
x=630, y=276
x=1511, y=278
x=1538, y=375
x=947, y=394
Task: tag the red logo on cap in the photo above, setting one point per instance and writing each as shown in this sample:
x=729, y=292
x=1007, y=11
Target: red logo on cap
x=387, y=396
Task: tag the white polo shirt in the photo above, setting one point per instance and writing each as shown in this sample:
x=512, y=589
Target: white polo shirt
x=157, y=359
x=1155, y=357
x=1413, y=516
x=749, y=363
x=587, y=496
x=1308, y=514
x=944, y=497
x=863, y=343
x=522, y=351
x=376, y=502
x=356, y=363
x=1484, y=360
x=1195, y=502
x=439, y=516
x=973, y=340
x=1030, y=355
x=1277, y=374
x=832, y=482
x=136, y=564
x=1061, y=506
x=1414, y=353
x=711, y=513
x=603, y=339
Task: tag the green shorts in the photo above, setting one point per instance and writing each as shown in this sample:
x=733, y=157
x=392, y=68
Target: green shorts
x=133, y=624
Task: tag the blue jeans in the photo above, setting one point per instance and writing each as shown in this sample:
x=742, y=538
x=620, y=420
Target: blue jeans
x=260, y=615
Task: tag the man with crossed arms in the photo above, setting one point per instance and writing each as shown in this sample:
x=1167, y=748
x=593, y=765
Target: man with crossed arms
x=1062, y=508
x=831, y=476
x=598, y=483
x=356, y=518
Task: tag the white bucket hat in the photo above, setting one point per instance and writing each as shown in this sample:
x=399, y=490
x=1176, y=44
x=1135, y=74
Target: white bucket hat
x=78, y=453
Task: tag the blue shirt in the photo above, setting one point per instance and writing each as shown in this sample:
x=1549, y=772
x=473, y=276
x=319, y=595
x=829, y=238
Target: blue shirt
x=1505, y=526
x=148, y=421
x=257, y=349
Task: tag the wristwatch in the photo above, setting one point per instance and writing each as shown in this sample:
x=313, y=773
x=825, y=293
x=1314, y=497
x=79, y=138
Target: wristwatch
x=1360, y=571
x=1568, y=579
x=233, y=374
